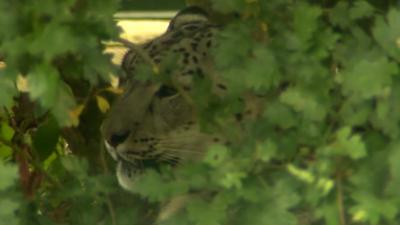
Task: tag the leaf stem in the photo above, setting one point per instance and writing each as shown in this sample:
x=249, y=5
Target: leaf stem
x=339, y=200
x=112, y=211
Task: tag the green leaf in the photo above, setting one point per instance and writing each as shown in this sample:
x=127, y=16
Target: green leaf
x=203, y=212
x=148, y=185
x=339, y=15
x=266, y=76
x=371, y=208
x=351, y=144
x=76, y=166
x=216, y=155
x=274, y=210
x=387, y=33
x=8, y=209
x=347, y=144
x=367, y=79
x=304, y=102
x=7, y=91
x=54, y=40
x=228, y=6
x=6, y=132
x=234, y=46
x=233, y=179
x=266, y=150
x=43, y=84
x=63, y=110
x=361, y=9
x=5, y=151
x=8, y=174
x=280, y=114
x=305, y=22
x=329, y=212
x=46, y=138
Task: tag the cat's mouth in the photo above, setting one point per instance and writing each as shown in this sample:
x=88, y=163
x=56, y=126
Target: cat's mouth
x=155, y=162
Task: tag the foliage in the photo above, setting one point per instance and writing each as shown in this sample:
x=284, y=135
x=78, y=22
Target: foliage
x=325, y=150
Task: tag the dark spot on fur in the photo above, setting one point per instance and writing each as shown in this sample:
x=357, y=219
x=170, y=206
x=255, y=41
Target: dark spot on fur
x=195, y=60
x=191, y=27
x=168, y=42
x=186, y=88
x=248, y=112
x=216, y=139
x=177, y=35
x=199, y=72
x=208, y=44
x=238, y=117
x=151, y=108
x=221, y=86
x=194, y=46
x=189, y=72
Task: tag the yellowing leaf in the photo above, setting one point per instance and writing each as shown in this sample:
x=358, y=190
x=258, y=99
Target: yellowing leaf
x=115, y=90
x=102, y=103
x=75, y=113
x=359, y=216
x=114, y=81
x=302, y=174
x=22, y=84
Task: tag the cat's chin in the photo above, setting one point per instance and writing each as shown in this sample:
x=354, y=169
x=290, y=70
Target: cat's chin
x=126, y=176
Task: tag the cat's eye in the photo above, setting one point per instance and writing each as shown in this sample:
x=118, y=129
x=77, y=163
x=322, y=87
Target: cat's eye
x=166, y=91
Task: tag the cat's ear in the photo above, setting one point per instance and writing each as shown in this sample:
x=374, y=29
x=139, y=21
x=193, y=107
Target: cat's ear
x=187, y=15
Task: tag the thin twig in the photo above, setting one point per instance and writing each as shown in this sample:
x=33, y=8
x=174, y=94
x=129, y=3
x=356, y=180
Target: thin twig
x=339, y=200
x=112, y=211
x=106, y=171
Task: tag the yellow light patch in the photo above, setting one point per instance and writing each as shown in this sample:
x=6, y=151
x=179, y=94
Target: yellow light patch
x=136, y=31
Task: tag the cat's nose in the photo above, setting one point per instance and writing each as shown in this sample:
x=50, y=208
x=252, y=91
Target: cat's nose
x=117, y=138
